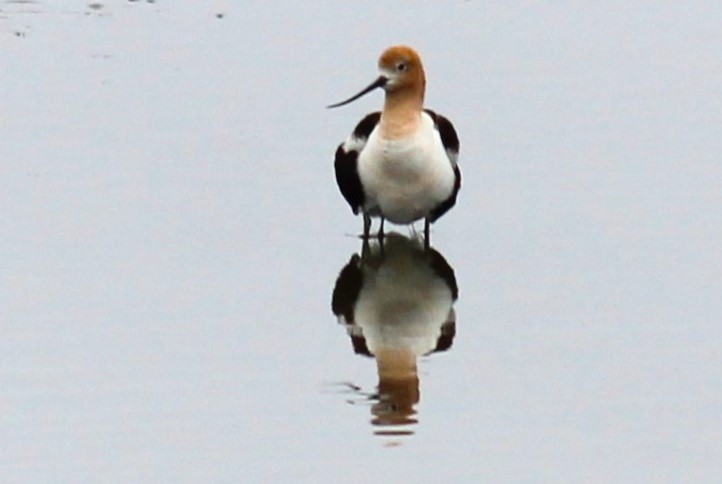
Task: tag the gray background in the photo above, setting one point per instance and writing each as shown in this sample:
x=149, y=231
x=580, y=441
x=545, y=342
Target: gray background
x=171, y=234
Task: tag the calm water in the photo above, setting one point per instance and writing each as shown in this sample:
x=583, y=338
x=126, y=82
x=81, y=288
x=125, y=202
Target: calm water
x=183, y=298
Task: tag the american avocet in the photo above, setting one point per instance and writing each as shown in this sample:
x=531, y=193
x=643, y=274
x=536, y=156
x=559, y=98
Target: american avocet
x=399, y=164
x=397, y=305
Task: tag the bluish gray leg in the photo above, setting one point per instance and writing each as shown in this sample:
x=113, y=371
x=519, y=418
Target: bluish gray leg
x=427, y=237
x=367, y=226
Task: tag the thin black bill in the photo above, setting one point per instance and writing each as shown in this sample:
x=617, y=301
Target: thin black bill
x=377, y=83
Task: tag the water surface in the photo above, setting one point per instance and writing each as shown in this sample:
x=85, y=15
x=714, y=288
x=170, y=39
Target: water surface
x=172, y=239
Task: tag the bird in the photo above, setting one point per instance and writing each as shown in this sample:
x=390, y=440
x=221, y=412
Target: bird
x=399, y=164
x=397, y=305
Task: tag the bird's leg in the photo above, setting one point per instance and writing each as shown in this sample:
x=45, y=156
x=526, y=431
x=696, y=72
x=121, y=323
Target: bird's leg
x=365, y=250
x=381, y=236
x=427, y=239
x=367, y=226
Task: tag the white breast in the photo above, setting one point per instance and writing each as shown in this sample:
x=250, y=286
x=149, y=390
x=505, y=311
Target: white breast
x=404, y=179
x=403, y=304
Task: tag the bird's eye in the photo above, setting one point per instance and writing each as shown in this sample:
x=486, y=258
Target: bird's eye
x=401, y=66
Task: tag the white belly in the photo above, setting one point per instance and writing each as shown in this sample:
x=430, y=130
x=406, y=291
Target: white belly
x=403, y=303
x=404, y=179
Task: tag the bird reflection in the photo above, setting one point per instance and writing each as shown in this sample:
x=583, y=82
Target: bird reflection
x=396, y=301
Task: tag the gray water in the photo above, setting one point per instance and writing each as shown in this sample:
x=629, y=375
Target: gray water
x=172, y=238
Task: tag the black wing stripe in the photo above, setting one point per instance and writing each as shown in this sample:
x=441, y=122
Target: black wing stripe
x=346, y=162
x=449, y=138
x=446, y=205
x=347, y=178
x=367, y=124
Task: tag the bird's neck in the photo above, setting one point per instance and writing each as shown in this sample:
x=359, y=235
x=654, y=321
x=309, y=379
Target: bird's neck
x=396, y=364
x=401, y=114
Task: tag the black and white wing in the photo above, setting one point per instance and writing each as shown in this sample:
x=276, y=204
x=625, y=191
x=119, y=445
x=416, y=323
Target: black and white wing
x=346, y=161
x=450, y=140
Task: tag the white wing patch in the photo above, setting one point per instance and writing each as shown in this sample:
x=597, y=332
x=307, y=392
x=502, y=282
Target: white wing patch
x=354, y=143
x=453, y=156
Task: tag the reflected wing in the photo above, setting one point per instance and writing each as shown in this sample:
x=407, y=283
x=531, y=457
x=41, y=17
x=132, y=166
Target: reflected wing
x=346, y=291
x=343, y=302
x=346, y=161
